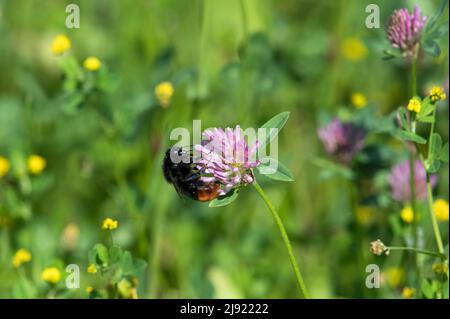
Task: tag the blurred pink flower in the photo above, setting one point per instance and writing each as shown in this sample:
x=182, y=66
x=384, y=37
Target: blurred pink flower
x=400, y=184
x=342, y=140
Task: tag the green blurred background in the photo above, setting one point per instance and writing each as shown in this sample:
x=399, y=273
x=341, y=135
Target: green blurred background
x=230, y=62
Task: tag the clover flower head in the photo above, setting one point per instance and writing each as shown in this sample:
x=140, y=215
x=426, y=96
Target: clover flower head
x=92, y=63
x=378, y=248
x=342, y=140
x=92, y=269
x=224, y=157
x=36, y=164
x=20, y=257
x=441, y=210
x=359, y=100
x=164, y=92
x=110, y=224
x=51, y=275
x=404, y=29
x=4, y=166
x=414, y=105
x=408, y=292
x=437, y=94
x=61, y=44
x=440, y=269
x=407, y=214
x=400, y=183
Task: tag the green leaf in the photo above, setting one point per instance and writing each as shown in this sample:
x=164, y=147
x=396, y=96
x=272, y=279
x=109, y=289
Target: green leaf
x=440, y=32
x=435, y=146
x=432, y=165
x=99, y=255
x=389, y=54
x=224, y=200
x=71, y=103
x=115, y=253
x=402, y=115
x=273, y=126
x=435, y=17
x=426, y=109
x=443, y=154
x=409, y=136
x=427, y=289
x=431, y=47
x=281, y=173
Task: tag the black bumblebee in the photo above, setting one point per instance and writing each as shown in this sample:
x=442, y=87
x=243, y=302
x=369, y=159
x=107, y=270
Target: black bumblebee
x=186, y=177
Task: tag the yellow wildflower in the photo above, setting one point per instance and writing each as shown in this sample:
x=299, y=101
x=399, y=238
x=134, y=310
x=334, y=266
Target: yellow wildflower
x=4, y=166
x=36, y=164
x=437, y=94
x=395, y=276
x=89, y=289
x=92, y=269
x=92, y=63
x=51, y=275
x=110, y=224
x=353, y=49
x=407, y=215
x=440, y=208
x=60, y=44
x=359, y=100
x=440, y=269
x=408, y=292
x=164, y=92
x=20, y=257
x=414, y=105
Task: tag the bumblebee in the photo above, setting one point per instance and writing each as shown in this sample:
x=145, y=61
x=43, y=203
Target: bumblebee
x=185, y=176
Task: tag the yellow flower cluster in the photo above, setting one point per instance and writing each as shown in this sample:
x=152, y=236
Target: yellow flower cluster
x=110, y=224
x=61, y=44
x=164, y=92
x=36, y=164
x=51, y=275
x=4, y=166
x=440, y=269
x=92, y=63
x=353, y=49
x=407, y=215
x=408, y=292
x=437, y=94
x=20, y=257
x=92, y=269
x=441, y=210
x=359, y=100
x=414, y=105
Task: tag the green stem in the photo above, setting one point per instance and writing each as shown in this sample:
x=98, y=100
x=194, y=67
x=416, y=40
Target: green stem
x=414, y=76
x=412, y=178
x=244, y=18
x=417, y=250
x=285, y=237
x=437, y=233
